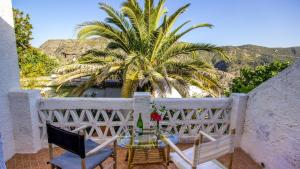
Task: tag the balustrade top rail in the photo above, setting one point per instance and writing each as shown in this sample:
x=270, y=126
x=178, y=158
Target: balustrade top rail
x=127, y=103
x=86, y=103
x=193, y=103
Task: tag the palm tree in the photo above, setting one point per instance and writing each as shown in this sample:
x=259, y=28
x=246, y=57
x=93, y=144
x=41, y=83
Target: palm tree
x=144, y=52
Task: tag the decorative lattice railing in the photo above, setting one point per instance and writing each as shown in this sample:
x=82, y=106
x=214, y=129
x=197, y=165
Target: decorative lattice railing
x=186, y=117
x=109, y=117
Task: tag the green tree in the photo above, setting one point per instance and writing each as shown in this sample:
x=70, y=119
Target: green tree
x=32, y=62
x=23, y=30
x=145, y=52
x=251, y=78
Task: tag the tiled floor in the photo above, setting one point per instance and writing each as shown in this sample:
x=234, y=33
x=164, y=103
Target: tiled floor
x=39, y=160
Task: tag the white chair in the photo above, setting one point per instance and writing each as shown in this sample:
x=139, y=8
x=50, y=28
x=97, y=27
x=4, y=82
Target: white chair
x=203, y=155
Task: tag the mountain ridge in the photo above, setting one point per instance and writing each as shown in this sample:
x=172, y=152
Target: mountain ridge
x=68, y=50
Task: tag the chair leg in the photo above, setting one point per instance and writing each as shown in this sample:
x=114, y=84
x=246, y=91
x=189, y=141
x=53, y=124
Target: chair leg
x=115, y=155
x=50, y=149
x=231, y=161
x=54, y=167
x=83, y=164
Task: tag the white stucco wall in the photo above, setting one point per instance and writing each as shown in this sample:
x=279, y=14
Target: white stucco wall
x=24, y=107
x=272, y=123
x=9, y=74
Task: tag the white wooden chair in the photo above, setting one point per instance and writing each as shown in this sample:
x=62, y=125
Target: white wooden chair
x=203, y=155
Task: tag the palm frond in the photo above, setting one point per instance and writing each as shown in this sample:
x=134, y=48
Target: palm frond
x=187, y=48
x=78, y=67
x=158, y=12
x=175, y=37
x=147, y=14
x=172, y=19
x=78, y=91
x=211, y=89
x=92, y=29
x=176, y=30
x=115, y=17
x=132, y=10
x=157, y=45
x=180, y=84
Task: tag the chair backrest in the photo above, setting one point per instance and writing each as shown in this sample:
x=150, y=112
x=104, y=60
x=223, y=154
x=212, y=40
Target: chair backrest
x=214, y=149
x=67, y=140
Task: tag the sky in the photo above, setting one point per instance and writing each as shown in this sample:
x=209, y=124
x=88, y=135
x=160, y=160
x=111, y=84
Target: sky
x=270, y=23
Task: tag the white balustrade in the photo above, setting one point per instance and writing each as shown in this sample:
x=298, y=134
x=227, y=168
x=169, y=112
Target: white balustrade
x=186, y=117
x=107, y=117
x=110, y=116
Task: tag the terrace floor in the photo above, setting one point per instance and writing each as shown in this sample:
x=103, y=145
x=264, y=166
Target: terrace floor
x=39, y=160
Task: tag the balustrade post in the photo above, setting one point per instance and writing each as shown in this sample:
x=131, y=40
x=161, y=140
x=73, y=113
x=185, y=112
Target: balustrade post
x=237, y=118
x=142, y=105
x=24, y=107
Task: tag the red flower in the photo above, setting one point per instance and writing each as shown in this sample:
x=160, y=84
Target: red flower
x=155, y=116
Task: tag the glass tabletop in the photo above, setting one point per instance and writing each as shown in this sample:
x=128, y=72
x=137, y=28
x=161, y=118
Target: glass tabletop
x=148, y=139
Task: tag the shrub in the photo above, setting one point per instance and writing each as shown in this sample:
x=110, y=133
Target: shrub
x=34, y=63
x=251, y=78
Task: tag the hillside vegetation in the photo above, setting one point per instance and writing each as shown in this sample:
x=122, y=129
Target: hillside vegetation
x=240, y=56
x=252, y=56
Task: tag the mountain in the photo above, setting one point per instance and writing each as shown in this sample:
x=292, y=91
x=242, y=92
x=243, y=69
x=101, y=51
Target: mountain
x=252, y=56
x=69, y=50
x=240, y=56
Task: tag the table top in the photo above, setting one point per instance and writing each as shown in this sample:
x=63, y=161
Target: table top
x=145, y=140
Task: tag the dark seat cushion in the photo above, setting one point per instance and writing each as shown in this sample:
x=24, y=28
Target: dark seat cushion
x=69, y=160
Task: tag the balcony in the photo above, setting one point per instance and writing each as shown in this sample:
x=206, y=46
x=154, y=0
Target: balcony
x=111, y=116
x=251, y=115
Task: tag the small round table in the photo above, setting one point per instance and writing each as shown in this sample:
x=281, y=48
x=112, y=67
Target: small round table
x=146, y=148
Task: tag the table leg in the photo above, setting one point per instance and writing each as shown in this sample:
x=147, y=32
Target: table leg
x=165, y=158
x=130, y=157
x=129, y=151
x=168, y=155
x=126, y=157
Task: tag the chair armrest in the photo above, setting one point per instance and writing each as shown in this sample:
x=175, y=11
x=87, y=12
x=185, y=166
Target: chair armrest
x=177, y=150
x=101, y=146
x=80, y=128
x=207, y=136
